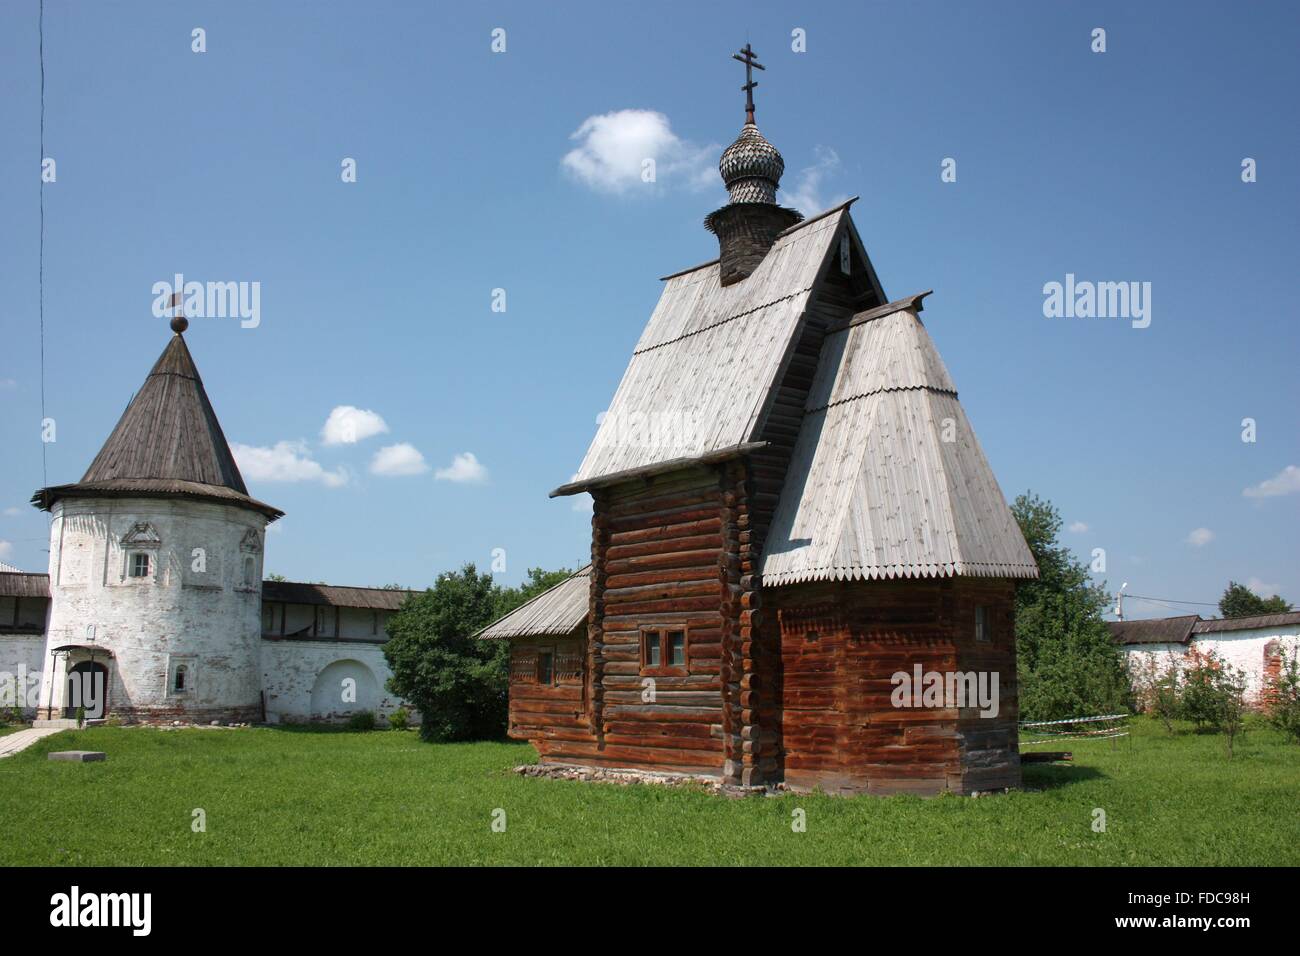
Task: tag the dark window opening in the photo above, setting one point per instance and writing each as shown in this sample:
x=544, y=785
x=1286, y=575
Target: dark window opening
x=982, y=624
x=545, y=667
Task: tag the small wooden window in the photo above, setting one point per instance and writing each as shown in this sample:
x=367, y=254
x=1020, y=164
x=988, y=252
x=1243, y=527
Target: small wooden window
x=139, y=565
x=982, y=625
x=664, y=652
x=675, y=646
x=545, y=668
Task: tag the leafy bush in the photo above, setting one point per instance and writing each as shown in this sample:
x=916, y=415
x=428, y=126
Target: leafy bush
x=1212, y=694
x=1067, y=664
x=1284, y=708
x=362, y=720
x=399, y=719
x=1156, y=689
x=457, y=682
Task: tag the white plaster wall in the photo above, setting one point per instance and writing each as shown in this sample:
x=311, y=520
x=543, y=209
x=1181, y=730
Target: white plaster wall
x=1241, y=649
x=193, y=608
x=21, y=660
x=298, y=673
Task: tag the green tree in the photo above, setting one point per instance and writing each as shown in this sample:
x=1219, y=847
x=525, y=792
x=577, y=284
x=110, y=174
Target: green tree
x=1067, y=664
x=458, y=683
x=1240, y=601
x=1284, y=709
x=539, y=580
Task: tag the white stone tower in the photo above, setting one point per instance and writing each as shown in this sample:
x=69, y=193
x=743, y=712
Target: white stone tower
x=156, y=566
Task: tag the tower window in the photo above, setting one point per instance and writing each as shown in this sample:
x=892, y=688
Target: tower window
x=249, y=568
x=179, y=685
x=139, y=567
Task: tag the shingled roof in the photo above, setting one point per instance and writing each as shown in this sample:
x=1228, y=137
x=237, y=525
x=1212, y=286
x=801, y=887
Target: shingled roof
x=1156, y=630
x=708, y=360
x=1181, y=629
x=887, y=478
x=23, y=584
x=556, y=612
x=334, y=595
x=168, y=443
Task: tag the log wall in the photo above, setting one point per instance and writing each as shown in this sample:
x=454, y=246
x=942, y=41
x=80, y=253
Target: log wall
x=840, y=645
x=657, y=563
x=549, y=714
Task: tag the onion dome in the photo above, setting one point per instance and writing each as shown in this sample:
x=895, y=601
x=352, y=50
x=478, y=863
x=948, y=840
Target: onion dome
x=751, y=167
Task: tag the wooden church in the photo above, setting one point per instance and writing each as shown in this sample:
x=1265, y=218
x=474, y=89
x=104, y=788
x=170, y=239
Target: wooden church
x=791, y=510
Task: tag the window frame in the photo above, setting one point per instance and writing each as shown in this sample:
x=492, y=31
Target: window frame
x=132, y=558
x=548, y=653
x=659, y=637
x=983, y=630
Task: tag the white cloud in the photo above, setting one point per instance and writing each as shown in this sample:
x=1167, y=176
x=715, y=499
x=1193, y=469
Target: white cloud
x=613, y=147
x=6, y=549
x=347, y=425
x=1285, y=482
x=285, y=461
x=465, y=468
x=806, y=193
x=12, y=512
x=1200, y=537
x=1078, y=527
x=8, y=383
x=399, y=459
x=1259, y=587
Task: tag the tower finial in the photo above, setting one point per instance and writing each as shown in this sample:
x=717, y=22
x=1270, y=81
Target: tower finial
x=179, y=323
x=748, y=57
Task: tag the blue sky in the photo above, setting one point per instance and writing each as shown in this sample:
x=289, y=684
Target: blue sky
x=225, y=166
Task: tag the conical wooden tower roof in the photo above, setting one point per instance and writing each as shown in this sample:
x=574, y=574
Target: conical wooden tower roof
x=168, y=443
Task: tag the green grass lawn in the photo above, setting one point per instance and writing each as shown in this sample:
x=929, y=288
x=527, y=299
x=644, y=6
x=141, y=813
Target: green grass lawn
x=282, y=796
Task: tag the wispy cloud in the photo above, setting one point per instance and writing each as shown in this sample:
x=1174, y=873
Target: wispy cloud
x=6, y=549
x=1078, y=527
x=1259, y=587
x=1285, y=482
x=285, y=461
x=807, y=193
x=465, y=468
x=613, y=149
x=400, y=459
x=348, y=425
x=12, y=512
x=1200, y=537
x=8, y=383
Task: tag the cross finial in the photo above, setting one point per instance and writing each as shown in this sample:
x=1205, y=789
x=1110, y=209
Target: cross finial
x=747, y=56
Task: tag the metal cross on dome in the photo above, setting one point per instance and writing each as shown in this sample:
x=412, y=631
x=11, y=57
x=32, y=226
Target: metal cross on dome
x=748, y=57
